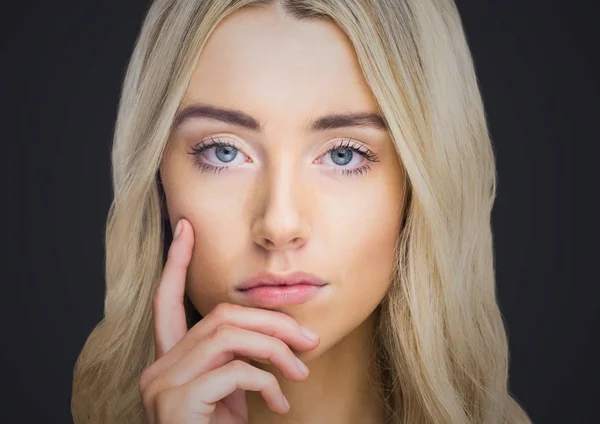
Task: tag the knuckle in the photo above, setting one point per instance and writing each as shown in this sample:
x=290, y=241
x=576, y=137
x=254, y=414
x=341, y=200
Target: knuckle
x=280, y=347
x=143, y=382
x=195, y=334
x=272, y=350
x=162, y=406
x=224, y=329
x=270, y=379
x=238, y=366
x=145, y=378
x=153, y=391
x=223, y=310
x=147, y=398
x=224, y=333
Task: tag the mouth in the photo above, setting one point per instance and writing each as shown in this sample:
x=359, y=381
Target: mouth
x=269, y=290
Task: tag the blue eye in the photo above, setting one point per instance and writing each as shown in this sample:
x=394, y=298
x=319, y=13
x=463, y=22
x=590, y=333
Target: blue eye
x=226, y=153
x=208, y=155
x=350, y=152
x=342, y=155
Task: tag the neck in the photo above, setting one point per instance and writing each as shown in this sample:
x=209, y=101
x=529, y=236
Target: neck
x=341, y=387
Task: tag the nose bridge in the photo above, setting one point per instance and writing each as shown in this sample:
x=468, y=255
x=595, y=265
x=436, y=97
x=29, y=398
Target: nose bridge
x=281, y=223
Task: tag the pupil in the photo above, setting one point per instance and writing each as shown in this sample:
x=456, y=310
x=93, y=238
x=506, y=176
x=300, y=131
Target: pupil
x=226, y=153
x=341, y=156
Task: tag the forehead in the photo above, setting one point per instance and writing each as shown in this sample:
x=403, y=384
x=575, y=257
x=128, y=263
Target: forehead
x=279, y=68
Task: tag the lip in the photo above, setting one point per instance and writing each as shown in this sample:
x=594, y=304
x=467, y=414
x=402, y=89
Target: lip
x=268, y=290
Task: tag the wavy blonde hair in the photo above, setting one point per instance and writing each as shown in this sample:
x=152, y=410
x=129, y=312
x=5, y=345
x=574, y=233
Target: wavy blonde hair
x=442, y=343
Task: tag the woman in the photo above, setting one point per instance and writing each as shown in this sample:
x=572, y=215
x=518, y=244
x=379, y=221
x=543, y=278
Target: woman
x=328, y=172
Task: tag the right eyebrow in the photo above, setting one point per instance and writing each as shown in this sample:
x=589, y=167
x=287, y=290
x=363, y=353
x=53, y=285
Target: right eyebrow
x=229, y=116
x=241, y=119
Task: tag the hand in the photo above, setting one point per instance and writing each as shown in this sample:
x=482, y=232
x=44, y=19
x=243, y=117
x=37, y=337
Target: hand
x=198, y=376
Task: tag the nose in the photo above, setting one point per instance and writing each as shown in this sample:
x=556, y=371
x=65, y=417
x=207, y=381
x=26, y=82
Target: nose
x=281, y=224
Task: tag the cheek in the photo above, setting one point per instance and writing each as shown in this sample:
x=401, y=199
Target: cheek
x=363, y=236
x=369, y=256
x=360, y=255
x=220, y=244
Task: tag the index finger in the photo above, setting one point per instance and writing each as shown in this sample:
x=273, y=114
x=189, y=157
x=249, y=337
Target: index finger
x=169, y=314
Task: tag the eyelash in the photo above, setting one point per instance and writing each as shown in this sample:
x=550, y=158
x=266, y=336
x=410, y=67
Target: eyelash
x=349, y=144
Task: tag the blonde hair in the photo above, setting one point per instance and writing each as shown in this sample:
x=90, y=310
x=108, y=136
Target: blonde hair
x=442, y=343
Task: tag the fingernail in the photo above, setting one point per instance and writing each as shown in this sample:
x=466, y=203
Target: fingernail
x=285, y=402
x=308, y=334
x=302, y=367
x=177, y=229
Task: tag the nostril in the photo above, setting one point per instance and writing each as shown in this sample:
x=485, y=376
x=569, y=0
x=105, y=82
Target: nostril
x=297, y=241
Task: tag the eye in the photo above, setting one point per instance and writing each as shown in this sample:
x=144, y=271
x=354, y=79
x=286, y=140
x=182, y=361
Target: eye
x=219, y=155
x=346, y=156
x=224, y=154
x=343, y=156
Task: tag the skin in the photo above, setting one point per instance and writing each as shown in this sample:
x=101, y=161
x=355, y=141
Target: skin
x=281, y=206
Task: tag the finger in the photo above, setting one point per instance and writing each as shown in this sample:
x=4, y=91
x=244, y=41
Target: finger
x=169, y=314
x=271, y=323
x=227, y=343
x=199, y=396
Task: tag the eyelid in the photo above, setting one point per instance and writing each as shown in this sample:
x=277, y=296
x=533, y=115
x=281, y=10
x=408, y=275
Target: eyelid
x=214, y=141
x=354, y=145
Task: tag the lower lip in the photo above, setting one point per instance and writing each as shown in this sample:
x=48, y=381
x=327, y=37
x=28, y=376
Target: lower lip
x=269, y=296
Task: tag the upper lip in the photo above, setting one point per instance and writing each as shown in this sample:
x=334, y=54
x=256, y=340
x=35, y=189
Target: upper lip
x=269, y=279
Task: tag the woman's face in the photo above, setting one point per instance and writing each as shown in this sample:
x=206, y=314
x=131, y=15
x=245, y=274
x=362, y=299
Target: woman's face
x=284, y=196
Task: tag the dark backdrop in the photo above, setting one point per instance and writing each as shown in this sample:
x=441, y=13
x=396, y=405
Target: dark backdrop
x=62, y=67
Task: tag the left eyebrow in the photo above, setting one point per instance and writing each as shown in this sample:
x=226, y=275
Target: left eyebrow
x=242, y=119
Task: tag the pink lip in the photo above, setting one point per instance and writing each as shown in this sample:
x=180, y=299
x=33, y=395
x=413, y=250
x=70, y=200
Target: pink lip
x=268, y=290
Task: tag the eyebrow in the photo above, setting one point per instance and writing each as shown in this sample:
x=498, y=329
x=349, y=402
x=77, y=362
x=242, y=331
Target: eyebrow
x=241, y=119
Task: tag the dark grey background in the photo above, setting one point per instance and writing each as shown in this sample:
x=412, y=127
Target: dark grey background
x=62, y=67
